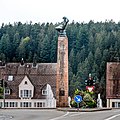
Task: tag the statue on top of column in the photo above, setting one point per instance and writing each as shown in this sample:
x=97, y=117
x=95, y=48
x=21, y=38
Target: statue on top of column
x=62, y=26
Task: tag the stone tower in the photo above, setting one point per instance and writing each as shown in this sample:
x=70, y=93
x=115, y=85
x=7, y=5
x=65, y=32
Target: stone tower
x=62, y=72
x=62, y=66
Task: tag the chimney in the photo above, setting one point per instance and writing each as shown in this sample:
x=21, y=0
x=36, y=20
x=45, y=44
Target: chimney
x=22, y=61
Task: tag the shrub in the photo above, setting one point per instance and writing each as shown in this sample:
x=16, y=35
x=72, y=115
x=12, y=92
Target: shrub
x=73, y=104
x=88, y=99
x=1, y=97
x=91, y=104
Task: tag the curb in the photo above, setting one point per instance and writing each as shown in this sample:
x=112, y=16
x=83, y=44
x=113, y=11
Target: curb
x=83, y=110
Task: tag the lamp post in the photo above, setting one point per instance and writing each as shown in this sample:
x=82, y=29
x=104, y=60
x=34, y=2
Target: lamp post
x=3, y=93
x=2, y=84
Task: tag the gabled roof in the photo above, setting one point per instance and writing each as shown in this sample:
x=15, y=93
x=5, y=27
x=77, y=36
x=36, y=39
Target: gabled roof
x=42, y=74
x=113, y=80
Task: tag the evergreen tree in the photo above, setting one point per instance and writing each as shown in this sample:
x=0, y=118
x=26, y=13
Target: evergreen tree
x=90, y=46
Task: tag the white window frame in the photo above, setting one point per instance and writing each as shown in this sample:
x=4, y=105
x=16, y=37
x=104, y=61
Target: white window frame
x=25, y=104
x=39, y=104
x=6, y=104
x=10, y=78
x=13, y=104
x=44, y=92
x=7, y=91
x=26, y=94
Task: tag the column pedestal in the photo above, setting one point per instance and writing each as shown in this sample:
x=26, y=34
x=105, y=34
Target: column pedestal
x=62, y=73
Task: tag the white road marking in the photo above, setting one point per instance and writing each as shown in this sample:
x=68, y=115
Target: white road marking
x=110, y=118
x=60, y=116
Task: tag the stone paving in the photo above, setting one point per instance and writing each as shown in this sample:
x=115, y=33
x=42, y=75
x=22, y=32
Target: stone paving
x=5, y=117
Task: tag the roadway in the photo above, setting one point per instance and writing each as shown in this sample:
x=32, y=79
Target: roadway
x=53, y=114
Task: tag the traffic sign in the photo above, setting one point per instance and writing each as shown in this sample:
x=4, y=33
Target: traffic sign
x=78, y=98
x=90, y=88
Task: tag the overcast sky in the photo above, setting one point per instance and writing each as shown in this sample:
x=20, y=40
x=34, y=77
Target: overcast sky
x=53, y=10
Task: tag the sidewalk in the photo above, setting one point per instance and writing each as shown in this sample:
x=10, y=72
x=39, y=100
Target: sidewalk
x=83, y=109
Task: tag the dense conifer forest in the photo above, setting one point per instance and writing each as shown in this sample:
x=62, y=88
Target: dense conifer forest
x=91, y=46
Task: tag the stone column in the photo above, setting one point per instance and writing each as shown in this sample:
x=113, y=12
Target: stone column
x=62, y=72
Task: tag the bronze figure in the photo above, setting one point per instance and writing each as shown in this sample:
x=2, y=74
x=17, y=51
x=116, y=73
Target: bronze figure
x=62, y=26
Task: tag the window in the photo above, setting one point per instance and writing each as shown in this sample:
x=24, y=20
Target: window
x=13, y=104
x=6, y=104
x=1, y=103
x=115, y=104
x=26, y=93
x=34, y=104
x=34, y=65
x=21, y=93
x=10, y=78
x=44, y=92
x=7, y=91
x=25, y=82
x=28, y=66
x=39, y=104
x=43, y=104
x=25, y=104
x=119, y=104
x=61, y=93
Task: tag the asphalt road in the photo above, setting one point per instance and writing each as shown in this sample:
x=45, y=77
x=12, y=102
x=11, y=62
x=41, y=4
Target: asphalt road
x=44, y=114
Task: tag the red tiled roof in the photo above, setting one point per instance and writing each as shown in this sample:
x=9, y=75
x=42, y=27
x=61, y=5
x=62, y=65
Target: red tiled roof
x=42, y=74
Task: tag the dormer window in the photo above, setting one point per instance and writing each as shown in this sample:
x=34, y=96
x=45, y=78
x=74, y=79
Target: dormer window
x=28, y=66
x=44, y=92
x=7, y=91
x=26, y=89
x=10, y=78
x=2, y=63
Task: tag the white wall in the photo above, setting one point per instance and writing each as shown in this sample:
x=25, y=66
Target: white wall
x=110, y=101
x=27, y=86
